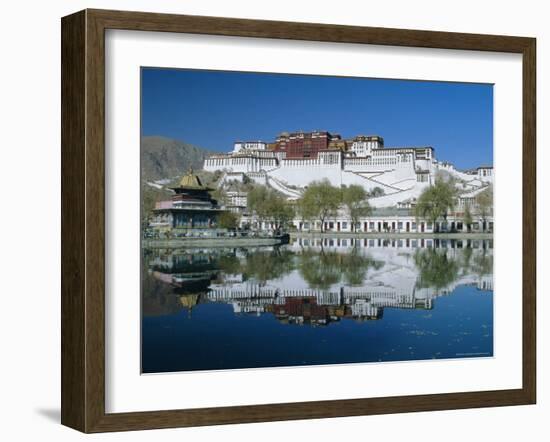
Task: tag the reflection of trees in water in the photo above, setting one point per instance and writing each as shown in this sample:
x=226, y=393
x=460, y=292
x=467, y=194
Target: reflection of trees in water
x=355, y=267
x=320, y=269
x=325, y=268
x=173, y=281
x=264, y=266
x=260, y=265
x=229, y=264
x=466, y=260
x=480, y=263
x=483, y=263
x=436, y=269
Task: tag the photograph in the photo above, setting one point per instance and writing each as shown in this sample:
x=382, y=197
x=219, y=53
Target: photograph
x=303, y=220
x=270, y=221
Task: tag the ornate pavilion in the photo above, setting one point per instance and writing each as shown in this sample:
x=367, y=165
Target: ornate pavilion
x=191, y=207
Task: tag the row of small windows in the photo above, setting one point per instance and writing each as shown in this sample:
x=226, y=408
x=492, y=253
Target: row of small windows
x=235, y=161
x=399, y=243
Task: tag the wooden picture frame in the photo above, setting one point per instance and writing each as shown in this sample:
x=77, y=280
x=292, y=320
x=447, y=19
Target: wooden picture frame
x=83, y=220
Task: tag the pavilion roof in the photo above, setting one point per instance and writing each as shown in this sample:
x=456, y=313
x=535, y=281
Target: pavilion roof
x=191, y=181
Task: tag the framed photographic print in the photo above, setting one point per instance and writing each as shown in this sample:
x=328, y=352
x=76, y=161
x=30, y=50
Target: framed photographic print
x=270, y=220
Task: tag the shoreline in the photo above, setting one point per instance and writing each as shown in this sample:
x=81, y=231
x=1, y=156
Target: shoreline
x=175, y=243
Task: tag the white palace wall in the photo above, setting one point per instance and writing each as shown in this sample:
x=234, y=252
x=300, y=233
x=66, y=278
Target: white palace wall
x=302, y=172
x=385, y=171
x=401, y=173
x=239, y=164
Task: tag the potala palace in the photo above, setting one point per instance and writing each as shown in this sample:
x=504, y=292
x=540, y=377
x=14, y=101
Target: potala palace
x=394, y=177
x=296, y=159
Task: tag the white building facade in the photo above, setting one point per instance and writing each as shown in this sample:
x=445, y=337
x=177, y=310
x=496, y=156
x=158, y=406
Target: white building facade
x=401, y=173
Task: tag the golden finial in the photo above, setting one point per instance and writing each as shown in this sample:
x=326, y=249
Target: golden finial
x=191, y=180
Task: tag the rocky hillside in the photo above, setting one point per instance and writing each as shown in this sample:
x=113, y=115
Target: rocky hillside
x=163, y=162
x=165, y=158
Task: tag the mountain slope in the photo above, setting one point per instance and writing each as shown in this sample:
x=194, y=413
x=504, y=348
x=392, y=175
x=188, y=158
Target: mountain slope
x=163, y=157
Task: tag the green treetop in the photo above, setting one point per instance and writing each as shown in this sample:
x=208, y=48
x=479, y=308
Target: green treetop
x=320, y=201
x=269, y=205
x=436, y=201
x=228, y=220
x=354, y=199
x=484, y=201
x=467, y=217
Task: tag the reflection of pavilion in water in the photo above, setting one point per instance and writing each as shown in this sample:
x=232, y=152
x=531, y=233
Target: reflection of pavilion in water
x=199, y=276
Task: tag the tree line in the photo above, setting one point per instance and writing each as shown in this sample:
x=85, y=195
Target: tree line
x=439, y=201
x=321, y=202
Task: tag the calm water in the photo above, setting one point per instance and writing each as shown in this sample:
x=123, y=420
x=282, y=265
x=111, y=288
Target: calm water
x=317, y=301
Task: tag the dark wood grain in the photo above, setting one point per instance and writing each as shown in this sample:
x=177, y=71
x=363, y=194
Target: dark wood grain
x=83, y=220
x=95, y=222
x=529, y=221
x=73, y=210
x=145, y=21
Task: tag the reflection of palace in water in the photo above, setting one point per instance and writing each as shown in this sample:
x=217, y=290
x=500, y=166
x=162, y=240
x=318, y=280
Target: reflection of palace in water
x=321, y=280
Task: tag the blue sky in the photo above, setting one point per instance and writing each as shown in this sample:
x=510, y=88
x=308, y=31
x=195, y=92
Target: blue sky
x=212, y=109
